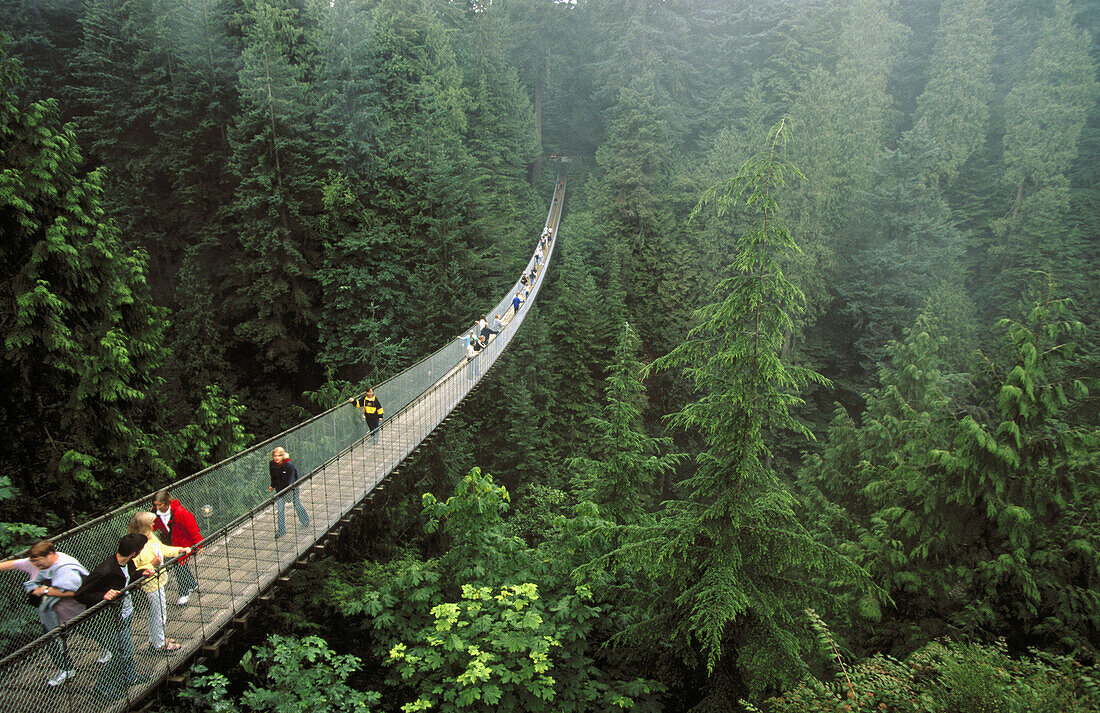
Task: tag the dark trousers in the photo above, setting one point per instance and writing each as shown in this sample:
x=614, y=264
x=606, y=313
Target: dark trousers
x=372, y=428
x=185, y=579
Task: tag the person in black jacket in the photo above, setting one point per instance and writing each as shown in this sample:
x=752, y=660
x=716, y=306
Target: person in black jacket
x=107, y=582
x=283, y=474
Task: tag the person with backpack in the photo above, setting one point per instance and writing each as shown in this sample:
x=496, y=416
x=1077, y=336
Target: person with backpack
x=371, y=409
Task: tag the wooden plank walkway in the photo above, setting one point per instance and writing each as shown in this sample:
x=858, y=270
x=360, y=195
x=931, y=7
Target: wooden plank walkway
x=239, y=564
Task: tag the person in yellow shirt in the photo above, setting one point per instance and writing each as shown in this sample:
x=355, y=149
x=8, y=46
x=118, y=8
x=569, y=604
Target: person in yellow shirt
x=372, y=412
x=153, y=555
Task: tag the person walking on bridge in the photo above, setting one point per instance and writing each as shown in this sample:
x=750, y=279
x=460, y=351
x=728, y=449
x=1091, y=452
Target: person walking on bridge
x=492, y=327
x=176, y=526
x=283, y=475
x=371, y=408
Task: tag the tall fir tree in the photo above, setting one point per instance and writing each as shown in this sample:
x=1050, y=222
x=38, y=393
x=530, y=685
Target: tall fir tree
x=419, y=188
x=955, y=100
x=841, y=116
x=1044, y=115
x=630, y=203
x=626, y=462
x=733, y=559
x=270, y=283
x=910, y=245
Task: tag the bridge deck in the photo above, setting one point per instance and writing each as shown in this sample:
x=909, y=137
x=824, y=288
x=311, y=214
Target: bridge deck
x=240, y=561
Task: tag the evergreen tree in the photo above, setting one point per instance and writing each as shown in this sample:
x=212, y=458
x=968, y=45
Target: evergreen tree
x=572, y=363
x=419, y=188
x=620, y=476
x=1044, y=115
x=365, y=283
x=271, y=286
x=1030, y=479
x=910, y=245
x=955, y=101
x=83, y=343
x=631, y=206
x=979, y=526
x=841, y=117
x=871, y=474
x=45, y=36
x=733, y=559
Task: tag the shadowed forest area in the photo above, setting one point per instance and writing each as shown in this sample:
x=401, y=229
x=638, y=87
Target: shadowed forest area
x=805, y=418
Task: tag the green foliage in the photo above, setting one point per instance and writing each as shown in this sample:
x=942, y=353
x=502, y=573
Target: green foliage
x=272, y=287
x=14, y=535
x=627, y=462
x=291, y=675
x=464, y=637
x=631, y=204
x=418, y=185
x=911, y=245
x=1044, y=115
x=732, y=561
x=840, y=115
x=216, y=434
x=955, y=101
x=574, y=326
x=977, y=525
x=82, y=341
x=948, y=677
x=491, y=651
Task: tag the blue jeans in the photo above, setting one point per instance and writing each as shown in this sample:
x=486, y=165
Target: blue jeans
x=280, y=504
x=117, y=674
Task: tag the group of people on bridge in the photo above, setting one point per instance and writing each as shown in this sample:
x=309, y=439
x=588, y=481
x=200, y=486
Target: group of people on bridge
x=483, y=331
x=59, y=587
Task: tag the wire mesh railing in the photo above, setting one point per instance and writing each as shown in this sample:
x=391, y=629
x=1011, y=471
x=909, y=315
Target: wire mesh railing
x=106, y=661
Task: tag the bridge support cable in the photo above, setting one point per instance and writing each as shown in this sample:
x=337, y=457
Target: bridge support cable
x=241, y=557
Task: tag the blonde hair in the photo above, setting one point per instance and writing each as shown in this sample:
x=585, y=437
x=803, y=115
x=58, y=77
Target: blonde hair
x=142, y=523
x=279, y=451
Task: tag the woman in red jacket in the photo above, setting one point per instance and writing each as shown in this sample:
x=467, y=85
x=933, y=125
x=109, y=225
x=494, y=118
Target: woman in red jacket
x=177, y=525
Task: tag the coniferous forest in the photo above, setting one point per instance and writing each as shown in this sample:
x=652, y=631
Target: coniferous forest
x=806, y=418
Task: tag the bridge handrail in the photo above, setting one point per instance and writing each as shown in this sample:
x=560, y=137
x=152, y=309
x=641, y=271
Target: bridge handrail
x=87, y=542
x=225, y=529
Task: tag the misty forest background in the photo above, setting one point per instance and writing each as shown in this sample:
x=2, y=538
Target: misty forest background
x=862, y=476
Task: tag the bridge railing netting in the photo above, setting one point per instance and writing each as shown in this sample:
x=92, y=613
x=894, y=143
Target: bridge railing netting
x=234, y=509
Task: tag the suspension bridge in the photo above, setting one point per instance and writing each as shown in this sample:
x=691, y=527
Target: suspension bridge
x=341, y=467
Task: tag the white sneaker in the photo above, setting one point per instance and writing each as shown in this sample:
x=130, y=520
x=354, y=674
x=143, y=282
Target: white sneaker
x=61, y=677
x=104, y=657
x=184, y=599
